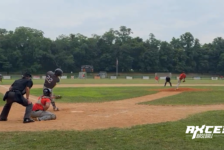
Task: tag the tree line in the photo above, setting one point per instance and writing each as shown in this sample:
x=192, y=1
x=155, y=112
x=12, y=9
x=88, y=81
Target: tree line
x=27, y=49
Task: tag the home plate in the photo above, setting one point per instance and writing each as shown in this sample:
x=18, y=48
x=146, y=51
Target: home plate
x=76, y=111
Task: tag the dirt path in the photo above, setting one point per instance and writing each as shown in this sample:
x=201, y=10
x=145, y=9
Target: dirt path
x=87, y=116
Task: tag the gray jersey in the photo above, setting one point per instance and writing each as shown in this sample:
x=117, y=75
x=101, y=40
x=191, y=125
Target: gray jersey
x=51, y=80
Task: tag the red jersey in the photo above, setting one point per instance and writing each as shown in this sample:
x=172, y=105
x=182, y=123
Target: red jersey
x=40, y=103
x=182, y=76
x=156, y=78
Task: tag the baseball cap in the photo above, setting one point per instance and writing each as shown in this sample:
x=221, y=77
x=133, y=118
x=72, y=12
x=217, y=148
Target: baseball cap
x=27, y=74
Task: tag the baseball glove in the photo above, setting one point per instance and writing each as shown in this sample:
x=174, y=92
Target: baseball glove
x=58, y=96
x=184, y=81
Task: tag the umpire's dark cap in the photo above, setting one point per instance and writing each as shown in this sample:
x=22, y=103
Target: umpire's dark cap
x=27, y=74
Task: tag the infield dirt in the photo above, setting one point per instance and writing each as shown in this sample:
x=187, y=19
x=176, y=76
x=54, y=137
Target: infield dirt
x=88, y=116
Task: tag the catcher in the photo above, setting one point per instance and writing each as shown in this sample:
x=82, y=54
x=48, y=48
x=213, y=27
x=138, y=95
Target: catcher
x=181, y=77
x=39, y=109
x=52, y=78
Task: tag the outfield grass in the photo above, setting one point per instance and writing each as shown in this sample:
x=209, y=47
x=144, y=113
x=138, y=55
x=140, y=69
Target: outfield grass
x=162, y=136
x=121, y=81
x=213, y=96
x=97, y=94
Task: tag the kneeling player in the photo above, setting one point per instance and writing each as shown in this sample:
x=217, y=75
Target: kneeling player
x=39, y=109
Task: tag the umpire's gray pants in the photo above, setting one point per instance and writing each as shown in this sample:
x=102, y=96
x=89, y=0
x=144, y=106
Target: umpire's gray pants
x=43, y=115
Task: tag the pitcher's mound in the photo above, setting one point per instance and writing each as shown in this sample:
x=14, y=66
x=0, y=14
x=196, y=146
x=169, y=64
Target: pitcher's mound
x=183, y=90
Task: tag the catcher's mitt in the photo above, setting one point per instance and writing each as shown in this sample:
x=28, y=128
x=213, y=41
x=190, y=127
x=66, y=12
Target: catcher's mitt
x=58, y=96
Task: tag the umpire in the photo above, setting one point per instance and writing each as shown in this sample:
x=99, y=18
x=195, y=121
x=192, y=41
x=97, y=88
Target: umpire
x=168, y=80
x=15, y=94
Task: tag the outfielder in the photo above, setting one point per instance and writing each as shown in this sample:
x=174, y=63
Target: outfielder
x=157, y=79
x=39, y=109
x=52, y=78
x=15, y=94
x=181, y=77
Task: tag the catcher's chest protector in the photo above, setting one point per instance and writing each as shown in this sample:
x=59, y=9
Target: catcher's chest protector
x=40, y=98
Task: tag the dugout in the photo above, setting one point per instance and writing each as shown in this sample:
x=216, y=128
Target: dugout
x=103, y=74
x=86, y=68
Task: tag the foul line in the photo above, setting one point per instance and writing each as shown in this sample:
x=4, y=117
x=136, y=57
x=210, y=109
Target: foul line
x=8, y=89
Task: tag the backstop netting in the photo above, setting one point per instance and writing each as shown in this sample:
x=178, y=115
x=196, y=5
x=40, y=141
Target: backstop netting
x=163, y=75
x=103, y=74
x=82, y=75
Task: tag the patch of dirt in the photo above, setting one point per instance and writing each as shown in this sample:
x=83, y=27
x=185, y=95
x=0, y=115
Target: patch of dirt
x=88, y=116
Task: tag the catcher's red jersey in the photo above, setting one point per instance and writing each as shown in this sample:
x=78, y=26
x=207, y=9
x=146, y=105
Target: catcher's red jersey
x=43, y=102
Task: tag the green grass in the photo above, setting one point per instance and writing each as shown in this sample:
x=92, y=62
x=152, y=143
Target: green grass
x=162, y=136
x=121, y=81
x=97, y=94
x=1, y=101
x=215, y=96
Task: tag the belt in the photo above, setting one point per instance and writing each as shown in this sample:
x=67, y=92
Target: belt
x=15, y=91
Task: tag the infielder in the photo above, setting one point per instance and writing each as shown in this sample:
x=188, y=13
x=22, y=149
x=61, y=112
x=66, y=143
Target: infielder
x=52, y=78
x=181, y=77
x=168, y=80
x=39, y=109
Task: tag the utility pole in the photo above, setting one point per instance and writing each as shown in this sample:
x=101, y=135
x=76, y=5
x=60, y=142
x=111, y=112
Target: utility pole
x=116, y=67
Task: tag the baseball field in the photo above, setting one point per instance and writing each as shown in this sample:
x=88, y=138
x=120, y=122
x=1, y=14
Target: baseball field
x=119, y=115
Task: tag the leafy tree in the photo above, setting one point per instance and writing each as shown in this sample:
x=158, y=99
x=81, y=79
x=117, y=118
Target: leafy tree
x=27, y=49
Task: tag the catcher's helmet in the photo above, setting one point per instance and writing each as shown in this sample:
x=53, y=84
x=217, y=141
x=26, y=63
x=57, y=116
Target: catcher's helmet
x=47, y=92
x=58, y=72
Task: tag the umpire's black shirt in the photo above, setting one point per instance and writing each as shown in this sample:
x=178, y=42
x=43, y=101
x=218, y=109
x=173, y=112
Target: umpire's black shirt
x=21, y=85
x=168, y=79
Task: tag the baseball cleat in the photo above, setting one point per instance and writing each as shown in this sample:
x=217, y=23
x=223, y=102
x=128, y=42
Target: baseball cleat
x=28, y=120
x=1, y=119
x=56, y=109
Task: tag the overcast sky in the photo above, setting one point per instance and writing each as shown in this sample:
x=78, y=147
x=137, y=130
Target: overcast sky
x=164, y=18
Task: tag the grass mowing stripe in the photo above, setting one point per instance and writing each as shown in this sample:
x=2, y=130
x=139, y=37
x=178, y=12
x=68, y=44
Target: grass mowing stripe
x=97, y=94
x=213, y=96
x=162, y=136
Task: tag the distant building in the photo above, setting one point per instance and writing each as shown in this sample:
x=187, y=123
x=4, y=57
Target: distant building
x=86, y=68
